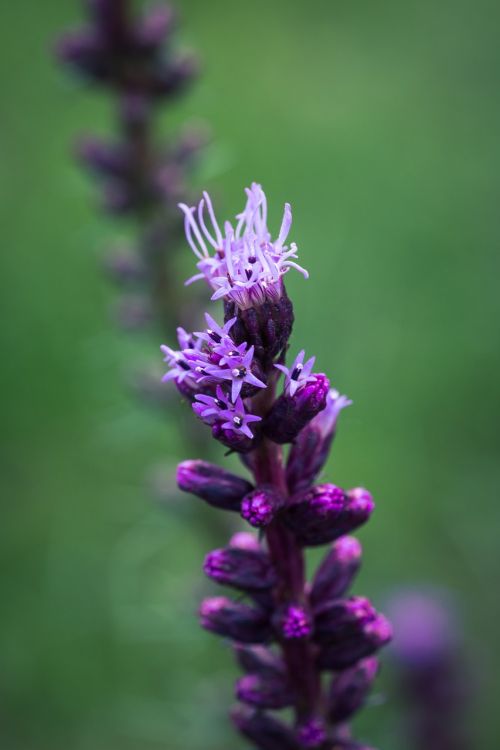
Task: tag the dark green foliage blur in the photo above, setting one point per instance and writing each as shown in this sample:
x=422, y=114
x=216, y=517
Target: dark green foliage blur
x=379, y=122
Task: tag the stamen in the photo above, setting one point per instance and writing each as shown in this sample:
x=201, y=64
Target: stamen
x=296, y=372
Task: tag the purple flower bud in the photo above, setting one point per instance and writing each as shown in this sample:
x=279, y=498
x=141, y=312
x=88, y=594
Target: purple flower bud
x=266, y=326
x=312, y=733
x=248, y=570
x=349, y=689
x=310, y=449
x=83, y=50
x=326, y=513
x=259, y=660
x=293, y=622
x=260, y=506
x=232, y=439
x=341, y=618
x=336, y=572
x=350, y=648
x=216, y=486
x=245, y=540
x=234, y=620
x=151, y=30
x=109, y=159
x=264, y=731
x=290, y=414
x=264, y=691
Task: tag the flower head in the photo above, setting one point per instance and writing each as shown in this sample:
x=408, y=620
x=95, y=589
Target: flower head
x=246, y=266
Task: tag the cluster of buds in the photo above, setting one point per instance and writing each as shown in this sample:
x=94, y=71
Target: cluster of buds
x=303, y=645
x=131, y=56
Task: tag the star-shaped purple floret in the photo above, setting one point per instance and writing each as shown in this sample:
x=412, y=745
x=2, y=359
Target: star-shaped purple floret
x=216, y=334
x=187, y=361
x=237, y=419
x=237, y=369
x=298, y=374
x=210, y=408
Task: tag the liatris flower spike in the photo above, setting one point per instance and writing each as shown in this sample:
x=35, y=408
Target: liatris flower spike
x=289, y=634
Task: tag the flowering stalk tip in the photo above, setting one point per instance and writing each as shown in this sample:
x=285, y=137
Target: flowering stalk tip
x=290, y=631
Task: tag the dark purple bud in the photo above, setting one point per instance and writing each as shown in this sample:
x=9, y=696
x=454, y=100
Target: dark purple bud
x=176, y=75
x=312, y=733
x=350, y=688
x=233, y=440
x=337, y=571
x=234, y=620
x=267, y=327
x=350, y=648
x=315, y=513
x=259, y=660
x=104, y=158
x=293, y=622
x=152, y=29
x=82, y=49
x=290, y=414
x=264, y=731
x=326, y=513
x=341, y=618
x=245, y=540
x=216, y=486
x=310, y=449
x=248, y=570
x=264, y=691
x=260, y=506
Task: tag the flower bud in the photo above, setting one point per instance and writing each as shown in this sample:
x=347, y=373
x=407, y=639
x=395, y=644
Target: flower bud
x=350, y=688
x=264, y=691
x=336, y=572
x=260, y=506
x=326, y=513
x=343, y=617
x=312, y=733
x=233, y=440
x=259, y=660
x=315, y=513
x=310, y=449
x=266, y=326
x=293, y=622
x=349, y=648
x=152, y=29
x=216, y=486
x=264, y=731
x=234, y=620
x=103, y=158
x=248, y=570
x=245, y=540
x=290, y=414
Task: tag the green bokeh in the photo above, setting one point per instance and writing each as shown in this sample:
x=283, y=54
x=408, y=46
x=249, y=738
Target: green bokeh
x=379, y=122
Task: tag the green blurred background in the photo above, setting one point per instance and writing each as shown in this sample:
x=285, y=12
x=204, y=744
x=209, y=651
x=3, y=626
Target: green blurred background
x=379, y=122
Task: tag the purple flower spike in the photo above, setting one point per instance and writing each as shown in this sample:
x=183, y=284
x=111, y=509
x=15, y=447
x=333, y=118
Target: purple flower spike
x=294, y=623
x=312, y=733
x=298, y=374
x=260, y=507
x=295, y=628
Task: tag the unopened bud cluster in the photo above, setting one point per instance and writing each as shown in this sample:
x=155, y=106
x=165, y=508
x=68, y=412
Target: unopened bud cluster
x=303, y=645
